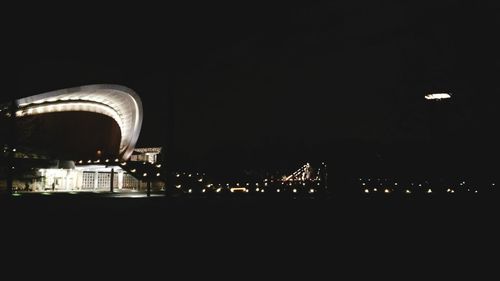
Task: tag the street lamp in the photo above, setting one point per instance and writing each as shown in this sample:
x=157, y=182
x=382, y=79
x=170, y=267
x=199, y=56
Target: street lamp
x=438, y=96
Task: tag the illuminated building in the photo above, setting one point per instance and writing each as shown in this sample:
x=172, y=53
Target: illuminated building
x=96, y=126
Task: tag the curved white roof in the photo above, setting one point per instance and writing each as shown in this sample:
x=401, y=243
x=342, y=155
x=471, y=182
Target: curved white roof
x=118, y=102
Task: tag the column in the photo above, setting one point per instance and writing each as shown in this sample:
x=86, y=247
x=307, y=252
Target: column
x=96, y=180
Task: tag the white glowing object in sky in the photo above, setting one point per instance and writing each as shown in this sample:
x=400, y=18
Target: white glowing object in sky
x=437, y=96
x=118, y=102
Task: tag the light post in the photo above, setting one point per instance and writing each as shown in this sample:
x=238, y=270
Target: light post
x=436, y=119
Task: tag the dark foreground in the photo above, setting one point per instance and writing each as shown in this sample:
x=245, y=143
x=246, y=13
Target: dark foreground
x=233, y=216
x=221, y=236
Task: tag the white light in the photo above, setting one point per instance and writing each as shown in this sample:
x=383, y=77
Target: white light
x=14, y=150
x=80, y=161
x=189, y=175
x=278, y=190
x=177, y=175
x=367, y=191
x=145, y=174
x=262, y=190
x=90, y=161
x=429, y=190
x=178, y=186
x=364, y=184
x=158, y=166
x=311, y=190
x=265, y=184
x=257, y=189
x=387, y=190
x=157, y=174
x=218, y=190
x=124, y=164
x=395, y=183
x=294, y=190
x=475, y=191
x=203, y=191
x=200, y=180
x=437, y=96
x=375, y=189
x=133, y=170
x=116, y=160
x=107, y=160
x=190, y=190
x=408, y=191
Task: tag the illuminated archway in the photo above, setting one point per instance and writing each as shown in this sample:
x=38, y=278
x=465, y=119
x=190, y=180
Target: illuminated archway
x=118, y=102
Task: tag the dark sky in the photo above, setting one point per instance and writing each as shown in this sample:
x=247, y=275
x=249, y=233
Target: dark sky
x=269, y=82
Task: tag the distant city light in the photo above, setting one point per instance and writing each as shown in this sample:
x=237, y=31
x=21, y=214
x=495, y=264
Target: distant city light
x=311, y=190
x=145, y=174
x=200, y=180
x=367, y=191
x=218, y=190
x=294, y=190
x=437, y=96
x=408, y=191
x=203, y=190
x=429, y=190
x=278, y=190
x=387, y=190
x=178, y=186
x=190, y=190
x=157, y=174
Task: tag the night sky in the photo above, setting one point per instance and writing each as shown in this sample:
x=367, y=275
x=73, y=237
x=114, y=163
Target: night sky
x=278, y=85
